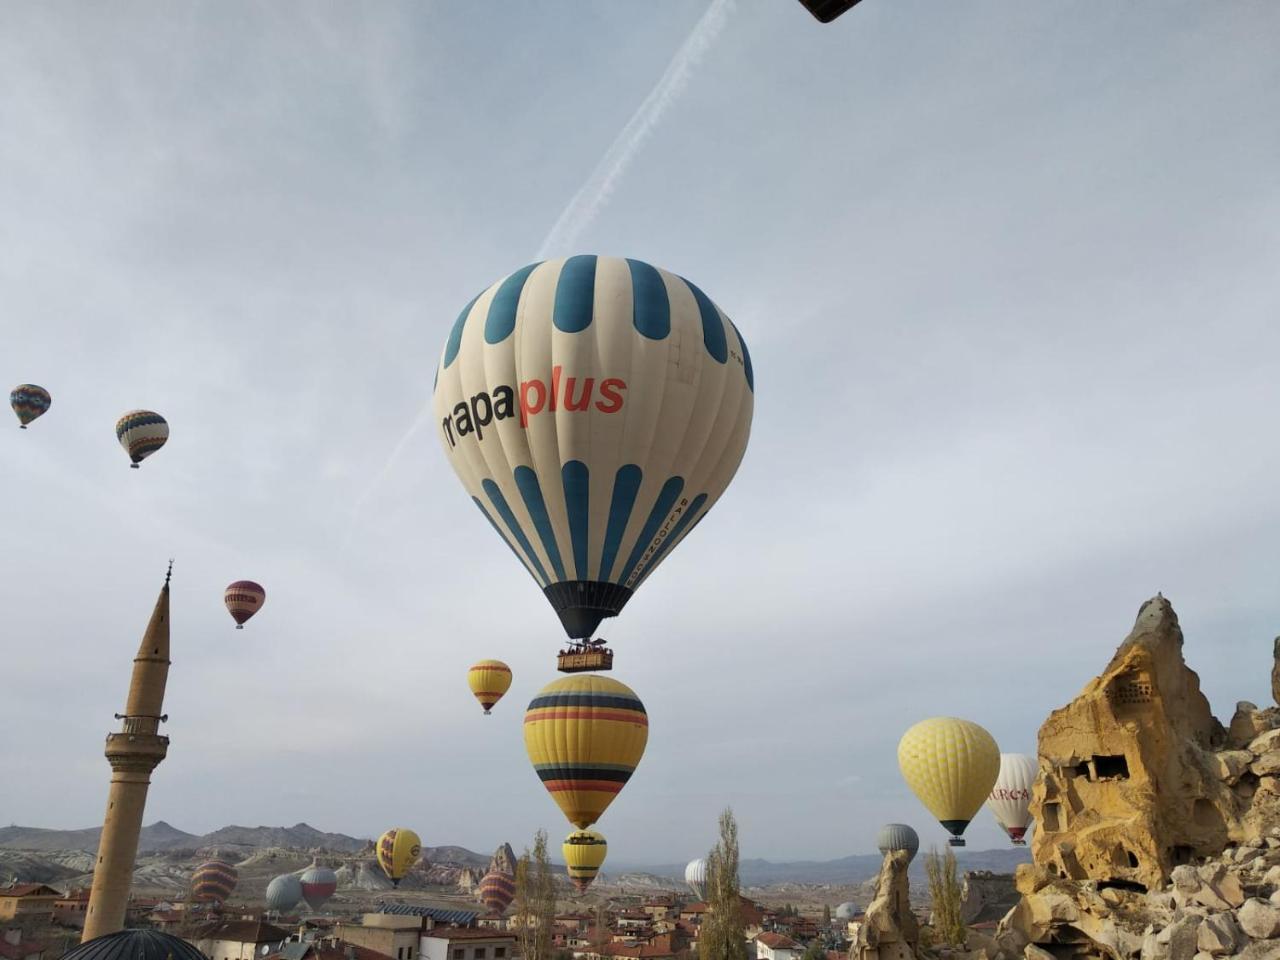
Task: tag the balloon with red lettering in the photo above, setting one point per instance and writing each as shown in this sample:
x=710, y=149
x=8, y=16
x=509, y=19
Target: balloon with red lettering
x=594, y=408
x=243, y=598
x=1010, y=798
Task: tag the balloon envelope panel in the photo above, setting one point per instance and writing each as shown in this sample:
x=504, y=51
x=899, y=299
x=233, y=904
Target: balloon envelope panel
x=214, y=880
x=595, y=408
x=489, y=680
x=695, y=876
x=284, y=893
x=951, y=766
x=584, y=852
x=497, y=890
x=244, y=598
x=398, y=850
x=898, y=836
x=585, y=735
x=1010, y=799
x=141, y=433
x=29, y=402
x=318, y=885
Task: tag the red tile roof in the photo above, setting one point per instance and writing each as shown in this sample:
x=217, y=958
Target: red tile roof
x=29, y=890
x=776, y=941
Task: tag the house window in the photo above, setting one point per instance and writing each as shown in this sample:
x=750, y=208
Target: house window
x=479, y=953
x=499, y=953
x=457, y=954
x=399, y=953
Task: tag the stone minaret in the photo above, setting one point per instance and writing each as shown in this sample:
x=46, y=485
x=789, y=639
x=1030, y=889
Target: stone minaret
x=133, y=753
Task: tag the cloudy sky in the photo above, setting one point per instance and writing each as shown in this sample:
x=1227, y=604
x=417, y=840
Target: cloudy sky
x=1008, y=275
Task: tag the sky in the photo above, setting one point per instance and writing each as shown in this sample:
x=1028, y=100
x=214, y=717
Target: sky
x=1007, y=271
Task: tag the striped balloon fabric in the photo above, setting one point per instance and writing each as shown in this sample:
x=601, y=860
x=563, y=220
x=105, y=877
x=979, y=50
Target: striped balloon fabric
x=595, y=408
x=585, y=735
x=243, y=598
x=141, y=433
x=318, y=885
x=584, y=852
x=214, y=880
x=497, y=890
x=29, y=402
x=489, y=680
x=695, y=875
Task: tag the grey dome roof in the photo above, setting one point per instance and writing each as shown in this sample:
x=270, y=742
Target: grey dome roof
x=135, y=945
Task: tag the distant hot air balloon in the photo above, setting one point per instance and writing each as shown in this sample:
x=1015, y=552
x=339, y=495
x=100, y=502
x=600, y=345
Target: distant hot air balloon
x=214, y=880
x=398, y=850
x=497, y=889
x=1010, y=798
x=28, y=402
x=284, y=893
x=584, y=851
x=594, y=408
x=585, y=734
x=141, y=433
x=951, y=766
x=318, y=885
x=898, y=836
x=489, y=680
x=848, y=910
x=243, y=598
x=695, y=876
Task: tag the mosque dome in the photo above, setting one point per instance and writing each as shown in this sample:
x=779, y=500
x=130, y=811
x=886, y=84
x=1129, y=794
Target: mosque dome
x=135, y=945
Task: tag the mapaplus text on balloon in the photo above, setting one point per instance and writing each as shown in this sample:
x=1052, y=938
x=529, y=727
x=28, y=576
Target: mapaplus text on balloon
x=531, y=398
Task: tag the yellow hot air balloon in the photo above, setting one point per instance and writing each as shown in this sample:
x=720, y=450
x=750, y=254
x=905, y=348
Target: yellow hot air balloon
x=585, y=734
x=951, y=766
x=398, y=850
x=584, y=851
x=489, y=680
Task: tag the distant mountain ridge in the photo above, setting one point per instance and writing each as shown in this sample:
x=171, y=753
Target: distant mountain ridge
x=161, y=837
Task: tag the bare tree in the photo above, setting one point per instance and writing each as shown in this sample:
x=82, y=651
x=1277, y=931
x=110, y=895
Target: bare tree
x=535, y=900
x=944, y=892
x=723, y=936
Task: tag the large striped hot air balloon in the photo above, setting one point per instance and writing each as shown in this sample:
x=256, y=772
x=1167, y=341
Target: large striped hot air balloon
x=951, y=766
x=243, y=598
x=29, y=402
x=1010, y=799
x=141, y=433
x=318, y=885
x=898, y=836
x=594, y=408
x=489, y=680
x=398, y=850
x=214, y=880
x=584, y=852
x=283, y=893
x=585, y=734
x=695, y=877
x=497, y=890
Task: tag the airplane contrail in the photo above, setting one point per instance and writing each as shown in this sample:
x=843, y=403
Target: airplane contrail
x=594, y=194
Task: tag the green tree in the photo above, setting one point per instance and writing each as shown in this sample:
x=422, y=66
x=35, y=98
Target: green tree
x=817, y=950
x=723, y=936
x=826, y=914
x=535, y=901
x=944, y=892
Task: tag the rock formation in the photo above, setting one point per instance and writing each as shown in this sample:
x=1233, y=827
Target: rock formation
x=1159, y=830
x=1136, y=774
x=890, y=930
x=986, y=896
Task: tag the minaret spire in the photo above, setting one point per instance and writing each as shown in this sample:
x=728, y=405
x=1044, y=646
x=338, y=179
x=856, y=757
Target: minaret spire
x=133, y=753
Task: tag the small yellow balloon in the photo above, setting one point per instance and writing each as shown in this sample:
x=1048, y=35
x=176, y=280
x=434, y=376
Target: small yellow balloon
x=951, y=766
x=584, y=851
x=489, y=680
x=398, y=850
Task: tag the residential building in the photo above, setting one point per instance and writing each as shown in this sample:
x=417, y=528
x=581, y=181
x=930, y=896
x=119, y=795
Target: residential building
x=14, y=946
x=28, y=901
x=396, y=935
x=237, y=939
x=467, y=943
x=777, y=946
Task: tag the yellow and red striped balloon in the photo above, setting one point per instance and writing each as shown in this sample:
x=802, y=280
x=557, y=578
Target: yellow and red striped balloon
x=497, y=890
x=489, y=680
x=584, y=852
x=214, y=880
x=585, y=735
